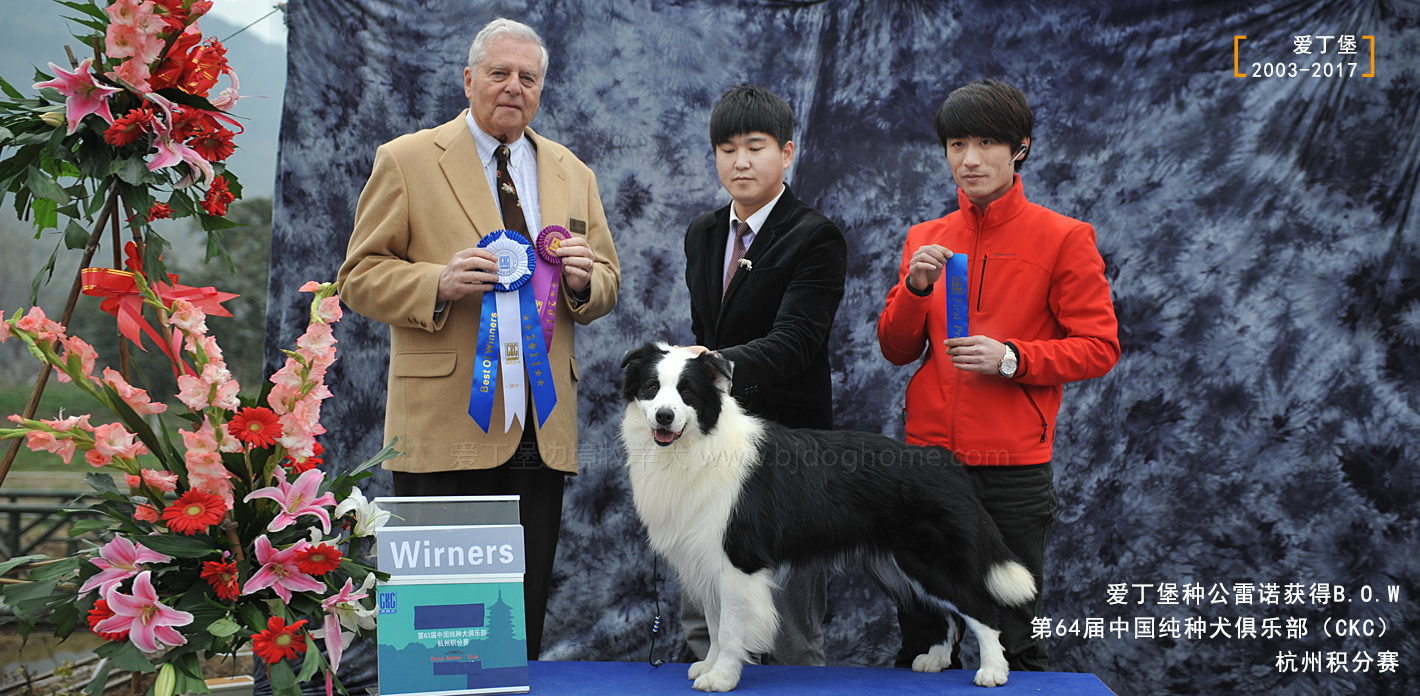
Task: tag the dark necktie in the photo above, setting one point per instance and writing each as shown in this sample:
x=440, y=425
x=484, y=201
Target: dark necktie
x=508, y=195
x=741, y=229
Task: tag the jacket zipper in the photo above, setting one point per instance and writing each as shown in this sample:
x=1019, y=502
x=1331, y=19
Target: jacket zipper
x=1044, y=427
x=981, y=282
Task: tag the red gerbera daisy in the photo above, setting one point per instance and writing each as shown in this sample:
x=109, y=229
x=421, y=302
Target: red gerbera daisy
x=214, y=144
x=296, y=468
x=279, y=641
x=256, y=426
x=100, y=612
x=222, y=576
x=128, y=129
x=318, y=560
x=194, y=512
x=217, y=198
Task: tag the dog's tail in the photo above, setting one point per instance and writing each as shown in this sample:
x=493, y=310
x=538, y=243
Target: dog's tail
x=1010, y=583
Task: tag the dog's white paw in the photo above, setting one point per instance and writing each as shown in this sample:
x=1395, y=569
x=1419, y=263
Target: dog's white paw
x=935, y=659
x=717, y=680
x=699, y=668
x=992, y=675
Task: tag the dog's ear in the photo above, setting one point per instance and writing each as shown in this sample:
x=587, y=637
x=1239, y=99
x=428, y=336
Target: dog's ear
x=723, y=368
x=639, y=354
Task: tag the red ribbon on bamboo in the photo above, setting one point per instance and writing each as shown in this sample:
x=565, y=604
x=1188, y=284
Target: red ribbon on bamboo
x=123, y=301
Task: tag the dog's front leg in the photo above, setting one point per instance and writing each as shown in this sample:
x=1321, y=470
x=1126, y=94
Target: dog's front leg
x=747, y=622
x=712, y=625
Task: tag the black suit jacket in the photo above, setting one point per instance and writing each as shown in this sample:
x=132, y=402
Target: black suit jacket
x=775, y=319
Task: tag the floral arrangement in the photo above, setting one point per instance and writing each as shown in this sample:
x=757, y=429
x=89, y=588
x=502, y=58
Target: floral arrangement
x=136, y=121
x=233, y=536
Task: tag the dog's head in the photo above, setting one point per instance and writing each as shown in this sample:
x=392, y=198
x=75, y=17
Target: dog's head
x=675, y=390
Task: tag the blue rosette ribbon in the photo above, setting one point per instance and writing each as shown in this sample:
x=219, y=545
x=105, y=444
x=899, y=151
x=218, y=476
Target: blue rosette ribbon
x=516, y=346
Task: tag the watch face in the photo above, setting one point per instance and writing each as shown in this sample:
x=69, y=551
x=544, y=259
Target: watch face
x=1008, y=365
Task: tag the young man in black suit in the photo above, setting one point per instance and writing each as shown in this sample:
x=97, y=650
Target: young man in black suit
x=765, y=275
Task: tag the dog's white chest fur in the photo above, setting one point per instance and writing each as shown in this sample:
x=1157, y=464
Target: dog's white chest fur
x=685, y=493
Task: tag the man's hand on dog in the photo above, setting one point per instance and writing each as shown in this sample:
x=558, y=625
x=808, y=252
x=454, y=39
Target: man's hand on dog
x=976, y=354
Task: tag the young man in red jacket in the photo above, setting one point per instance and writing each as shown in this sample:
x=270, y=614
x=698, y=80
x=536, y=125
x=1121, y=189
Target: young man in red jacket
x=1038, y=314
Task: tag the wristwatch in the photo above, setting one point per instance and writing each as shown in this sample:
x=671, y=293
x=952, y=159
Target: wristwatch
x=1009, y=363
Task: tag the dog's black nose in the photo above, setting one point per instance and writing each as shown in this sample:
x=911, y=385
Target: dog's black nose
x=665, y=416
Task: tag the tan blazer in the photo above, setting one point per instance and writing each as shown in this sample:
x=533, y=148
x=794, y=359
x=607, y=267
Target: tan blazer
x=426, y=199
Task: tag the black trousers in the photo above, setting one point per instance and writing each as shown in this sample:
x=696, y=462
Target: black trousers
x=540, y=510
x=1021, y=500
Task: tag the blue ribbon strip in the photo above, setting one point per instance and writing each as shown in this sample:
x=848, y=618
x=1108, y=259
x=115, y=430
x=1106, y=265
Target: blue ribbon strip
x=544, y=393
x=485, y=365
x=958, y=301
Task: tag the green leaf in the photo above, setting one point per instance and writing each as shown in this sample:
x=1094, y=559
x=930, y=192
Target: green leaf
x=46, y=214
x=189, y=675
x=283, y=680
x=102, y=483
x=86, y=8
x=56, y=571
x=94, y=159
x=125, y=656
x=100, y=680
x=11, y=91
x=5, y=133
x=179, y=546
x=13, y=563
x=314, y=660
x=212, y=223
x=132, y=171
x=43, y=276
x=82, y=527
x=224, y=627
x=254, y=619
x=45, y=187
x=181, y=205
x=75, y=237
x=65, y=618
x=15, y=594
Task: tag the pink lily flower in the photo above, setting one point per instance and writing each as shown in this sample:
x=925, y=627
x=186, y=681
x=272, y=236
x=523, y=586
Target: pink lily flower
x=297, y=499
x=280, y=572
x=148, y=621
x=118, y=560
x=84, y=95
x=171, y=152
x=343, y=609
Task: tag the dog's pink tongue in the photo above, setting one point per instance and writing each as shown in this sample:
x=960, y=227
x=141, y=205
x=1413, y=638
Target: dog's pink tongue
x=665, y=436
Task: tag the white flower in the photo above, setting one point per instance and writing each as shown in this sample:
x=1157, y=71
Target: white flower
x=368, y=516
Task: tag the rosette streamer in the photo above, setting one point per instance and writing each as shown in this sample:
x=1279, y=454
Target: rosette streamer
x=547, y=278
x=515, y=343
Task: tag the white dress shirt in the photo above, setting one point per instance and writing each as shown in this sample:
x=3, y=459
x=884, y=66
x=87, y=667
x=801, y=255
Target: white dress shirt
x=522, y=160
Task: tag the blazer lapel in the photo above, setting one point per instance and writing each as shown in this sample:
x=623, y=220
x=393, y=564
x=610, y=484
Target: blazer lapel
x=714, y=254
x=552, y=190
x=464, y=170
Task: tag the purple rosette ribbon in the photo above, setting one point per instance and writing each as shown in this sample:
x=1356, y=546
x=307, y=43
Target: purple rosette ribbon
x=547, y=278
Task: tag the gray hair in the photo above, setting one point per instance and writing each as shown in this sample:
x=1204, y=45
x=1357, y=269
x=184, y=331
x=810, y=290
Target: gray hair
x=509, y=28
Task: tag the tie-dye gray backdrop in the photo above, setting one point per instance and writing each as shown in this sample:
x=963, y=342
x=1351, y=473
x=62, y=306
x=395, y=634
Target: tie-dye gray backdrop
x=1259, y=232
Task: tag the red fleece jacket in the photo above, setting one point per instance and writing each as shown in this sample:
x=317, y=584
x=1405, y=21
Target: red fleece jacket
x=1036, y=280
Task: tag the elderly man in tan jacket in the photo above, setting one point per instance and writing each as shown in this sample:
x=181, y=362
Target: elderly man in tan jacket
x=414, y=264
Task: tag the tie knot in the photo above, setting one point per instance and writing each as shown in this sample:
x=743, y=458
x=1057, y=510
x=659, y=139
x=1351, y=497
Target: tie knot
x=503, y=153
x=741, y=229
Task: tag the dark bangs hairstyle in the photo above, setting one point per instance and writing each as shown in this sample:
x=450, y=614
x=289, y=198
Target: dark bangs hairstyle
x=986, y=109
x=745, y=109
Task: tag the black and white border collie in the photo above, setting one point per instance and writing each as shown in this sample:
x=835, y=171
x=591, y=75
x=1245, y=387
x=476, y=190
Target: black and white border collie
x=728, y=499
